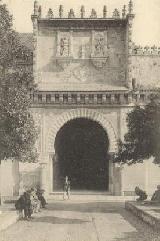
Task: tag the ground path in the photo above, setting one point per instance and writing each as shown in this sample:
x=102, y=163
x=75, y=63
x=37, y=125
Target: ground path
x=81, y=221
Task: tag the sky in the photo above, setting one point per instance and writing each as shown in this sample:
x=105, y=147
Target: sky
x=146, y=28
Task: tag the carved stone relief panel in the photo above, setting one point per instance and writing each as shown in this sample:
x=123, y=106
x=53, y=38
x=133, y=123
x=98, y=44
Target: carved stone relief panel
x=99, y=44
x=99, y=54
x=63, y=44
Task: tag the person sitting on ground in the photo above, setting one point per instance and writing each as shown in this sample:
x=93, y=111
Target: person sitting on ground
x=35, y=201
x=41, y=197
x=20, y=206
x=142, y=194
x=156, y=195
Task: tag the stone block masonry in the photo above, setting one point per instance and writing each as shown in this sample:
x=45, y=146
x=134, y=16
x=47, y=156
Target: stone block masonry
x=145, y=213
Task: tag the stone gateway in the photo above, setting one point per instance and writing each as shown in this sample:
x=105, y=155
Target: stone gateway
x=89, y=75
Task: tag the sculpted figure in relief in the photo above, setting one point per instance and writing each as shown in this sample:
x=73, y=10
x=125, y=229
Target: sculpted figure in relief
x=64, y=46
x=99, y=46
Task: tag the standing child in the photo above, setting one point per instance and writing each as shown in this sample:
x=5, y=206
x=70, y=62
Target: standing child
x=41, y=197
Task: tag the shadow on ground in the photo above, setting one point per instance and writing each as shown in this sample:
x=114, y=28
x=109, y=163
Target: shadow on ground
x=143, y=232
x=58, y=220
x=89, y=207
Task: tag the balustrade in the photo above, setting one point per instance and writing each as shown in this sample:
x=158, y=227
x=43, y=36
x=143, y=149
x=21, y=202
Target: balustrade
x=107, y=98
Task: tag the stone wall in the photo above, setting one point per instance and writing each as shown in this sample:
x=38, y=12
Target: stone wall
x=48, y=121
x=29, y=175
x=9, y=178
x=122, y=179
x=146, y=70
x=84, y=66
x=51, y=119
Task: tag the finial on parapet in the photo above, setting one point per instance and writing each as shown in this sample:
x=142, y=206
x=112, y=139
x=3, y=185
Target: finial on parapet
x=82, y=11
x=104, y=11
x=124, y=11
x=116, y=13
x=154, y=49
x=36, y=6
x=147, y=50
x=130, y=7
x=61, y=11
x=93, y=13
x=71, y=13
x=50, y=13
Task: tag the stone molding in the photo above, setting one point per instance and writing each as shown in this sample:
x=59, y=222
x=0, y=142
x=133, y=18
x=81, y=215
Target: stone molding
x=145, y=51
x=106, y=98
x=55, y=123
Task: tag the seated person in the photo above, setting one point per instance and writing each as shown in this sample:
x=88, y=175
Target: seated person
x=35, y=201
x=41, y=197
x=27, y=205
x=156, y=195
x=142, y=194
x=20, y=205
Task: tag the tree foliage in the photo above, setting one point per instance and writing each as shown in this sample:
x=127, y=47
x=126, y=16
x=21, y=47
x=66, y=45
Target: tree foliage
x=17, y=130
x=143, y=138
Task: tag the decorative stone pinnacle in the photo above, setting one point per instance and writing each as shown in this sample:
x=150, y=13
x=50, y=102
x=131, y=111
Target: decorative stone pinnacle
x=82, y=11
x=36, y=6
x=146, y=47
x=154, y=47
x=104, y=11
x=116, y=13
x=50, y=13
x=93, y=13
x=71, y=13
x=61, y=11
x=130, y=7
x=124, y=11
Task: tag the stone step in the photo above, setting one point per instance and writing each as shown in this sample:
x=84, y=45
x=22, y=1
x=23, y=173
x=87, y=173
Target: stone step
x=149, y=213
x=90, y=197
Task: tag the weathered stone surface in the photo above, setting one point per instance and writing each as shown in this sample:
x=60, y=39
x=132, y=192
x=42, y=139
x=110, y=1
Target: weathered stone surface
x=87, y=221
x=146, y=70
x=145, y=213
x=80, y=68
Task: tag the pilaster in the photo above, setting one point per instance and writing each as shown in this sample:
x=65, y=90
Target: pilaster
x=44, y=163
x=111, y=176
x=129, y=30
x=34, y=18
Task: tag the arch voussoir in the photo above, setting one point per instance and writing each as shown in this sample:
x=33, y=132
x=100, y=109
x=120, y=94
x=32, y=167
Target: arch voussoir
x=58, y=122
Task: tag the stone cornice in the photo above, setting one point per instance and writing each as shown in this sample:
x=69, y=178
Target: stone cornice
x=80, y=23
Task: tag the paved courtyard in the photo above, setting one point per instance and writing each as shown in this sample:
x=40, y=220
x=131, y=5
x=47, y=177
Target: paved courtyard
x=81, y=221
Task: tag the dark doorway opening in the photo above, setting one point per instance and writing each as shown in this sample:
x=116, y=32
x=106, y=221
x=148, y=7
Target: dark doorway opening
x=81, y=148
